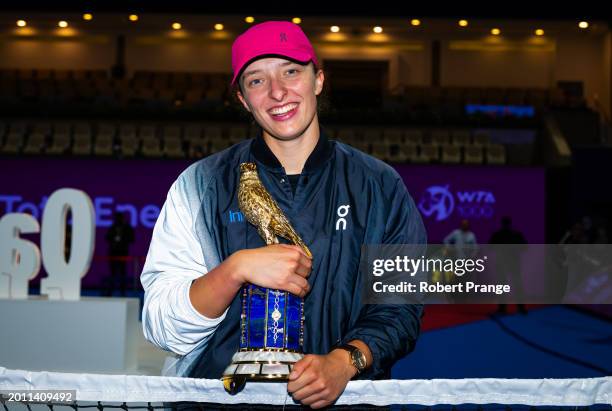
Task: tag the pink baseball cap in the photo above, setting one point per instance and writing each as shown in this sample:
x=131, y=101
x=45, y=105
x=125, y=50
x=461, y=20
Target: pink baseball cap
x=281, y=38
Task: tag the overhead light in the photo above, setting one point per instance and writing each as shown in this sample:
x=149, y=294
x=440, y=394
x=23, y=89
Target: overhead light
x=21, y=23
x=249, y=19
x=218, y=26
x=176, y=25
x=133, y=17
x=463, y=23
x=377, y=29
x=415, y=22
x=539, y=32
x=296, y=20
x=495, y=32
x=334, y=29
x=87, y=16
x=583, y=24
x=62, y=23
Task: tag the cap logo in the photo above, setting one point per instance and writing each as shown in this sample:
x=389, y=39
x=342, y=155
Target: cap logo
x=283, y=37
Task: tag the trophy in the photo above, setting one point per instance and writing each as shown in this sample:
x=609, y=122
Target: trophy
x=272, y=321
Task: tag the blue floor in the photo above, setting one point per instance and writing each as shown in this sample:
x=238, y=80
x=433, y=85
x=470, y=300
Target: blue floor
x=550, y=342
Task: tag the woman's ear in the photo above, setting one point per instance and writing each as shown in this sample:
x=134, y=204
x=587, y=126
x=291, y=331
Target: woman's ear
x=243, y=100
x=319, y=80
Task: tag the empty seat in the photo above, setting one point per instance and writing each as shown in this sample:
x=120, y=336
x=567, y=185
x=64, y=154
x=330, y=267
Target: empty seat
x=151, y=146
x=82, y=140
x=14, y=140
x=104, y=145
x=380, y=150
x=198, y=146
x=107, y=129
x=440, y=137
x=428, y=153
x=62, y=139
x=481, y=139
x=172, y=132
x=35, y=144
x=42, y=128
x=461, y=138
x=496, y=154
x=129, y=140
x=372, y=135
x=393, y=136
x=173, y=147
x=237, y=134
x=147, y=131
x=218, y=144
x=413, y=136
x=402, y=153
x=347, y=135
x=473, y=155
x=193, y=131
x=361, y=145
x=213, y=132
x=451, y=154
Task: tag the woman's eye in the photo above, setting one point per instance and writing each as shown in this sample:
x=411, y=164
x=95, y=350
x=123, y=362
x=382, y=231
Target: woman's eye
x=253, y=82
x=291, y=71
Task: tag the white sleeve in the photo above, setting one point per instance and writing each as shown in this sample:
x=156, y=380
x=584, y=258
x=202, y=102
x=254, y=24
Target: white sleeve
x=173, y=261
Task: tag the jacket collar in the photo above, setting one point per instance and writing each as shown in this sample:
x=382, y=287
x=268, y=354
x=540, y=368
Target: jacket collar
x=319, y=155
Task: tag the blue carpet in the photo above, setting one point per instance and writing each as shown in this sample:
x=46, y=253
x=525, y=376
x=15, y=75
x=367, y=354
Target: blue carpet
x=551, y=342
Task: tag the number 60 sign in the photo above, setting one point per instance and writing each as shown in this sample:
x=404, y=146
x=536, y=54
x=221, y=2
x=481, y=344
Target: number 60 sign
x=20, y=258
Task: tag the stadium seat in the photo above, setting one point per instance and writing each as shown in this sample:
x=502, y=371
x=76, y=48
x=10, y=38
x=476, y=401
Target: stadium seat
x=218, y=143
x=461, y=138
x=481, y=139
x=380, y=150
x=495, y=154
x=173, y=147
x=393, y=136
x=413, y=136
x=237, y=134
x=151, y=147
x=171, y=131
x=61, y=140
x=130, y=142
x=439, y=137
x=14, y=139
x=36, y=143
x=213, y=132
x=82, y=139
x=372, y=135
x=451, y=154
x=347, y=136
x=473, y=155
x=105, y=139
x=428, y=153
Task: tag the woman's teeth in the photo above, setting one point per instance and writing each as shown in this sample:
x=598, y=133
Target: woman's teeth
x=283, y=110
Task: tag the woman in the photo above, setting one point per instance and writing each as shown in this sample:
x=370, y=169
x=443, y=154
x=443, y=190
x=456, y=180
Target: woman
x=336, y=197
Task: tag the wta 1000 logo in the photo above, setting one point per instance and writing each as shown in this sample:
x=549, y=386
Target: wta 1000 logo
x=439, y=202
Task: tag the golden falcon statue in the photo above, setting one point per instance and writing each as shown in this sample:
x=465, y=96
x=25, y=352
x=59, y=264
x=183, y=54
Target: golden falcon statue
x=262, y=211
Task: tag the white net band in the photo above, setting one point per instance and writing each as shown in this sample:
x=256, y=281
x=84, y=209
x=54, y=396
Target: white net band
x=129, y=388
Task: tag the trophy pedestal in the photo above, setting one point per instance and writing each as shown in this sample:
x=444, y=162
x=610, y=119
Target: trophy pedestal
x=264, y=365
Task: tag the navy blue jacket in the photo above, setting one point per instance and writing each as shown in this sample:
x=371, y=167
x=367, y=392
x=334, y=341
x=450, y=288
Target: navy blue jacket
x=344, y=198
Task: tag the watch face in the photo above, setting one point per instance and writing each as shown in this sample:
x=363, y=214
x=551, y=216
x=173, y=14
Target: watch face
x=359, y=360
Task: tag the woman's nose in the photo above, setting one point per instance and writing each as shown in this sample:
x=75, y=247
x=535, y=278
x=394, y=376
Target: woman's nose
x=277, y=89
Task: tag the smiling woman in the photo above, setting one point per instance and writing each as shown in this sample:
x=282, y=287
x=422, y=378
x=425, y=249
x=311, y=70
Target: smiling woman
x=313, y=179
x=255, y=80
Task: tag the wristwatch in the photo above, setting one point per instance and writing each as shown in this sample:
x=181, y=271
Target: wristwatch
x=358, y=358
